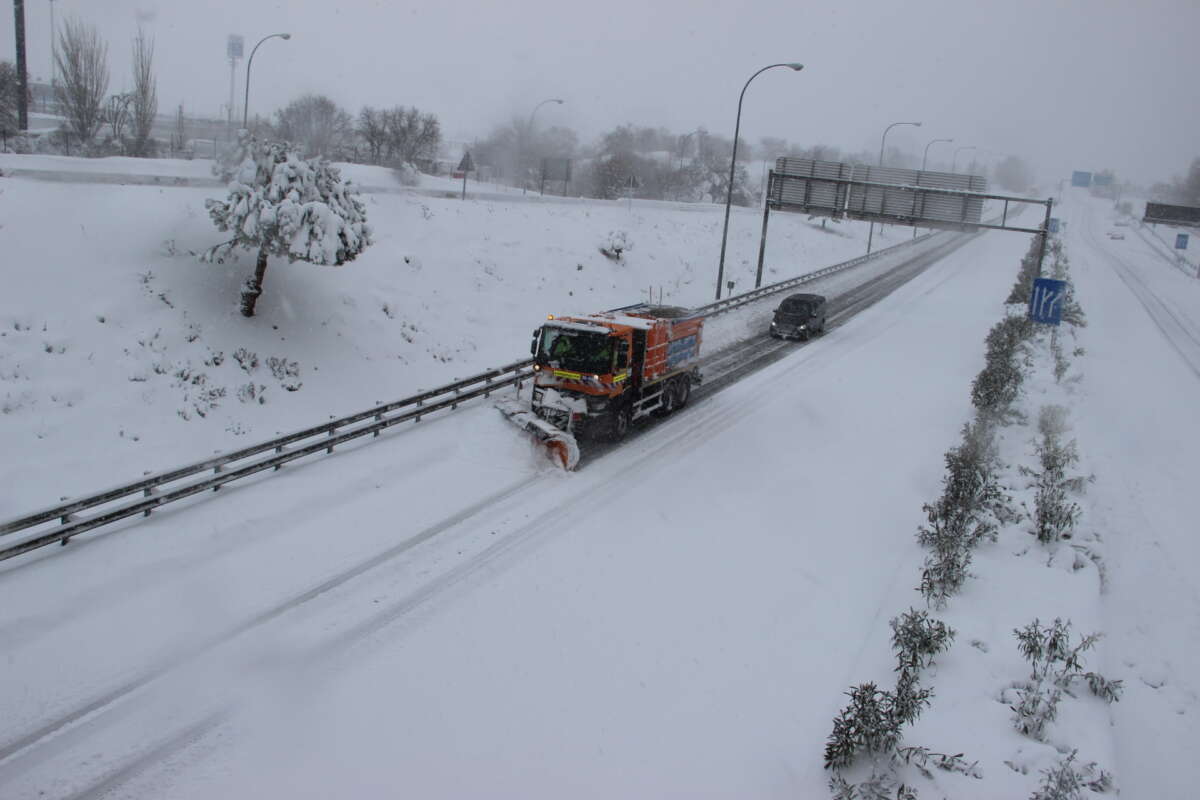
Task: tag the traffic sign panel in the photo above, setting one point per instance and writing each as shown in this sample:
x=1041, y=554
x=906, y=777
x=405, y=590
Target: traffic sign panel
x=1045, y=305
x=1181, y=241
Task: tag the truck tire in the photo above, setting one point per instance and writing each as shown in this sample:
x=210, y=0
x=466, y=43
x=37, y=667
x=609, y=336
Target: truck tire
x=684, y=391
x=668, y=398
x=620, y=425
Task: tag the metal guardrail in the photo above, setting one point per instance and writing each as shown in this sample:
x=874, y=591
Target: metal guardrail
x=730, y=303
x=60, y=523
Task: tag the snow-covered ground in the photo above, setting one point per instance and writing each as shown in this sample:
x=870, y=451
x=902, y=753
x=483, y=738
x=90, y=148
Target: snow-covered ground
x=441, y=614
x=120, y=352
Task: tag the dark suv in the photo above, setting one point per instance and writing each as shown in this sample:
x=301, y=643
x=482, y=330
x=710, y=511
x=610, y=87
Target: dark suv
x=799, y=316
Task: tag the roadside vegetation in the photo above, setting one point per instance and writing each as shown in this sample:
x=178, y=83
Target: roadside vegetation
x=1012, y=480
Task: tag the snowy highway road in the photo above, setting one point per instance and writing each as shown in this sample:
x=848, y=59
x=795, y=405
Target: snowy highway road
x=384, y=616
x=181, y=558
x=1179, y=331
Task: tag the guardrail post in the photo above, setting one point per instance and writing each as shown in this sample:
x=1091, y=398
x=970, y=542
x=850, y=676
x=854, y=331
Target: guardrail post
x=378, y=418
x=148, y=492
x=454, y=405
x=217, y=471
x=420, y=404
x=65, y=519
x=332, y=433
x=487, y=382
x=278, y=450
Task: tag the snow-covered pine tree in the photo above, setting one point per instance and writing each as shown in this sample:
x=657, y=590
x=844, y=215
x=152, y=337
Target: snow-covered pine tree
x=283, y=205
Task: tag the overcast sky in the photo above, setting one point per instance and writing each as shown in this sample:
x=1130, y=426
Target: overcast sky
x=1067, y=84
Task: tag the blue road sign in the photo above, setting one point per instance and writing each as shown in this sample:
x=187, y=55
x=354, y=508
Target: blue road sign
x=1080, y=178
x=1181, y=240
x=1047, y=301
x=1054, y=224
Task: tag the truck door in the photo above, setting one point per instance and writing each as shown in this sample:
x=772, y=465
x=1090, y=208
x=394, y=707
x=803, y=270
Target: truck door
x=639, y=357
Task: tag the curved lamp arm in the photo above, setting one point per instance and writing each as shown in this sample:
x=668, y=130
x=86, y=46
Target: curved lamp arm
x=249, y=61
x=737, y=127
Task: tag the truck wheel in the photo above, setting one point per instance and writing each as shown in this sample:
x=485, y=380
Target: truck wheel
x=683, y=391
x=667, y=399
x=620, y=425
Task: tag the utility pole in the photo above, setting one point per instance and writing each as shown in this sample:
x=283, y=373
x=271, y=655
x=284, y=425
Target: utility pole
x=22, y=85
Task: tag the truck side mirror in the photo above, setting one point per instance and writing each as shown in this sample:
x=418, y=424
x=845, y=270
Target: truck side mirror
x=533, y=343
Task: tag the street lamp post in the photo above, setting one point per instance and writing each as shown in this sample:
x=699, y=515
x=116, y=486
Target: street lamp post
x=924, y=161
x=737, y=126
x=53, y=49
x=529, y=132
x=925, y=158
x=882, y=140
x=249, y=62
x=957, y=150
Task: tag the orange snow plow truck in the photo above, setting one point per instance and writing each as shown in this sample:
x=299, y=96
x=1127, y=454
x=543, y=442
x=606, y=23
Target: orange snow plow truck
x=594, y=375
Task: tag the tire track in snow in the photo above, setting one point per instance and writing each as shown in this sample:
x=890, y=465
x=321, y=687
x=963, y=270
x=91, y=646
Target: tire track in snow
x=1174, y=328
x=48, y=739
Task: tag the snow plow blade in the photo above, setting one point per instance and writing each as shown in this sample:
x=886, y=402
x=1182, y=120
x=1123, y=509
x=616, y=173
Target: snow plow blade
x=560, y=446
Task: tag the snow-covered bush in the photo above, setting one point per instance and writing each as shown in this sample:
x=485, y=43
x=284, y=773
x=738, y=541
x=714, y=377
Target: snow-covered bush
x=869, y=725
x=1072, y=312
x=922, y=758
x=1055, y=514
x=615, y=245
x=917, y=638
x=1035, y=708
x=283, y=205
x=881, y=785
x=1067, y=780
x=1022, y=290
x=407, y=174
x=1057, y=668
x=972, y=504
x=998, y=384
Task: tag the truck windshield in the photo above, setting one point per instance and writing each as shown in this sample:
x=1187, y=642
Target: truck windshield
x=578, y=351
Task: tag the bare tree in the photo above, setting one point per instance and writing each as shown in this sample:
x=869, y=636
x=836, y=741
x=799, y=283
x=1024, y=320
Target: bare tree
x=82, y=61
x=316, y=123
x=372, y=128
x=116, y=113
x=144, y=105
x=411, y=135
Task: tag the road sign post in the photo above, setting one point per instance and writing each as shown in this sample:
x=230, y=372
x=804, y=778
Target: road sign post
x=465, y=166
x=1046, y=302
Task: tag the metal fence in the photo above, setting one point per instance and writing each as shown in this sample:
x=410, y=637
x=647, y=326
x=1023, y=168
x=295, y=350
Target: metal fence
x=60, y=523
